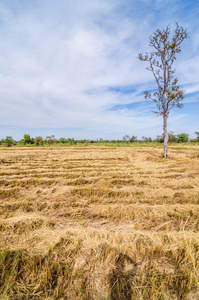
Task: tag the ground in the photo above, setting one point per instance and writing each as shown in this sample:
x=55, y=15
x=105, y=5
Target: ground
x=99, y=223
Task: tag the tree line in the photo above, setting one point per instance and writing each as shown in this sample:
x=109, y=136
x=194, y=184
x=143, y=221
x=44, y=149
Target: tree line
x=51, y=140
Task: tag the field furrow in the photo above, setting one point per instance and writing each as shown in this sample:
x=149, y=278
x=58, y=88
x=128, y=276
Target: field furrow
x=111, y=215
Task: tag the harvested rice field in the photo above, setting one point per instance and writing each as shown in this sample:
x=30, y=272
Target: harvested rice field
x=99, y=223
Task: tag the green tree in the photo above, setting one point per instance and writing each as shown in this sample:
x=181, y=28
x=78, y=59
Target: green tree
x=133, y=139
x=38, y=141
x=63, y=141
x=172, y=137
x=182, y=138
x=71, y=141
x=168, y=94
x=50, y=139
x=9, y=141
x=160, y=138
x=197, y=133
x=84, y=141
x=27, y=139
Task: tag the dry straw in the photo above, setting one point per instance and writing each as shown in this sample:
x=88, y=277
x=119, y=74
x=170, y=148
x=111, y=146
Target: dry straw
x=99, y=223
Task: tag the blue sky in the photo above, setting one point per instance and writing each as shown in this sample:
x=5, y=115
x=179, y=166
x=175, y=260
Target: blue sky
x=70, y=68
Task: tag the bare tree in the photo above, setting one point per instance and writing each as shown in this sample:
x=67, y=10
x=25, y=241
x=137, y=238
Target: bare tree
x=168, y=94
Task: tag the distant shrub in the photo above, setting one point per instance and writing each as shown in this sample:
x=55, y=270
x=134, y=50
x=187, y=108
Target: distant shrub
x=182, y=138
x=72, y=141
x=84, y=141
x=9, y=141
x=50, y=139
x=38, y=141
x=63, y=141
x=133, y=139
x=197, y=139
x=27, y=139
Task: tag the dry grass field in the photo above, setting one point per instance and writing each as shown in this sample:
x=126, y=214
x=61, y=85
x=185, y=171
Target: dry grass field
x=99, y=223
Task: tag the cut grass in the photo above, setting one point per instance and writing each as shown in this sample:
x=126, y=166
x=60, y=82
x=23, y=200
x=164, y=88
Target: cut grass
x=99, y=223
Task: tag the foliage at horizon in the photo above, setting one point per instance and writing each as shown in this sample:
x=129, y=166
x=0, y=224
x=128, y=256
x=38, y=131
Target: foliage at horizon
x=51, y=140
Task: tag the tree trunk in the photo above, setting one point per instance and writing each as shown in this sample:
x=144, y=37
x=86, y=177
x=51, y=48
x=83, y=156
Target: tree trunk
x=166, y=138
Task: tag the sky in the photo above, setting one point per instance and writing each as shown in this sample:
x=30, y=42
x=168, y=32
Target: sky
x=70, y=68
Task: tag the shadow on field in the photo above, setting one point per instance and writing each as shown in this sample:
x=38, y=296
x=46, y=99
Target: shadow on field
x=120, y=278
